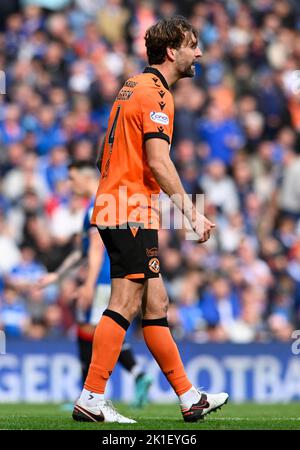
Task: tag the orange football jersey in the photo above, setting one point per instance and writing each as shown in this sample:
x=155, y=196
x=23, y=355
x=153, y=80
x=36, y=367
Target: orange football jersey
x=128, y=191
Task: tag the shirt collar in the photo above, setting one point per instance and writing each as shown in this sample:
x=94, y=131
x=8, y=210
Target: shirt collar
x=158, y=74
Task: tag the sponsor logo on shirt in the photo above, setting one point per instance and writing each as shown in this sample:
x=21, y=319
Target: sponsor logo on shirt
x=159, y=117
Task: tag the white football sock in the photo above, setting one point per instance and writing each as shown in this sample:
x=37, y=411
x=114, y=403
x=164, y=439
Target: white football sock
x=90, y=397
x=190, y=397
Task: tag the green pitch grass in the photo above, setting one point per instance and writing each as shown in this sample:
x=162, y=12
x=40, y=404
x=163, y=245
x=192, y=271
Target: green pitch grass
x=155, y=417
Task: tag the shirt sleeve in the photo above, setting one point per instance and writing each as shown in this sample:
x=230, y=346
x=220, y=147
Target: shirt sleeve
x=157, y=112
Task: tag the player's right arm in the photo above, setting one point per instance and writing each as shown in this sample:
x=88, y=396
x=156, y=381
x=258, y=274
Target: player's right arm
x=94, y=263
x=167, y=177
x=70, y=262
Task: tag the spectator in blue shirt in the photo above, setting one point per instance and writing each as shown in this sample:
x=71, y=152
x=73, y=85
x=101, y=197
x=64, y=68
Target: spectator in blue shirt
x=14, y=317
x=223, y=135
x=28, y=270
x=10, y=129
x=220, y=305
x=48, y=133
x=57, y=168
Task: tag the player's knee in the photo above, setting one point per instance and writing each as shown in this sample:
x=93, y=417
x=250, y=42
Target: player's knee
x=134, y=310
x=127, y=307
x=157, y=309
x=163, y=305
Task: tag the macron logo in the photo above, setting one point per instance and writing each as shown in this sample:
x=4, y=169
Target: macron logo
x=159, y=117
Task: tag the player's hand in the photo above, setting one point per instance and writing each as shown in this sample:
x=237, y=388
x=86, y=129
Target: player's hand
x=203, y=227
x=46, y=280
x=85, y=297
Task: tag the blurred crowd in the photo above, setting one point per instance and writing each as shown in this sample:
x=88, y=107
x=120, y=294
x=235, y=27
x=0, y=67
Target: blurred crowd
x=236, y=139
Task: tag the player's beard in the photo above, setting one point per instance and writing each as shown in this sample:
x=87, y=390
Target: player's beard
x=188, y=71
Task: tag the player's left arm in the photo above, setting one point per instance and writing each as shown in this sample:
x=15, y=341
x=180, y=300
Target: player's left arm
x=94, y=262
x=157, y=128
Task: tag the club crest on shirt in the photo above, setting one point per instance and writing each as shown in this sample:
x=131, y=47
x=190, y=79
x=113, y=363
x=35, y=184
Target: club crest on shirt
x=154, y=265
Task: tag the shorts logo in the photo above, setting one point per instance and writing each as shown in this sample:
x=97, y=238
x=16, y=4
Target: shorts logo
x=159, y=117
x=154, y=265
x=150, y=252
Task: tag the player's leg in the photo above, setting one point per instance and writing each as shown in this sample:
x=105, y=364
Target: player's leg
x=158, y=337
x=194, y=404
x=100, y=304
x=87, y=322
x=110, y=332
x=125, y=302
x=126, y=358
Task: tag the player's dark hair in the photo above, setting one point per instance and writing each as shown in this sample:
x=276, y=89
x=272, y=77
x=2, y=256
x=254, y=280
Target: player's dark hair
x=167, y=33
x=82, y=164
